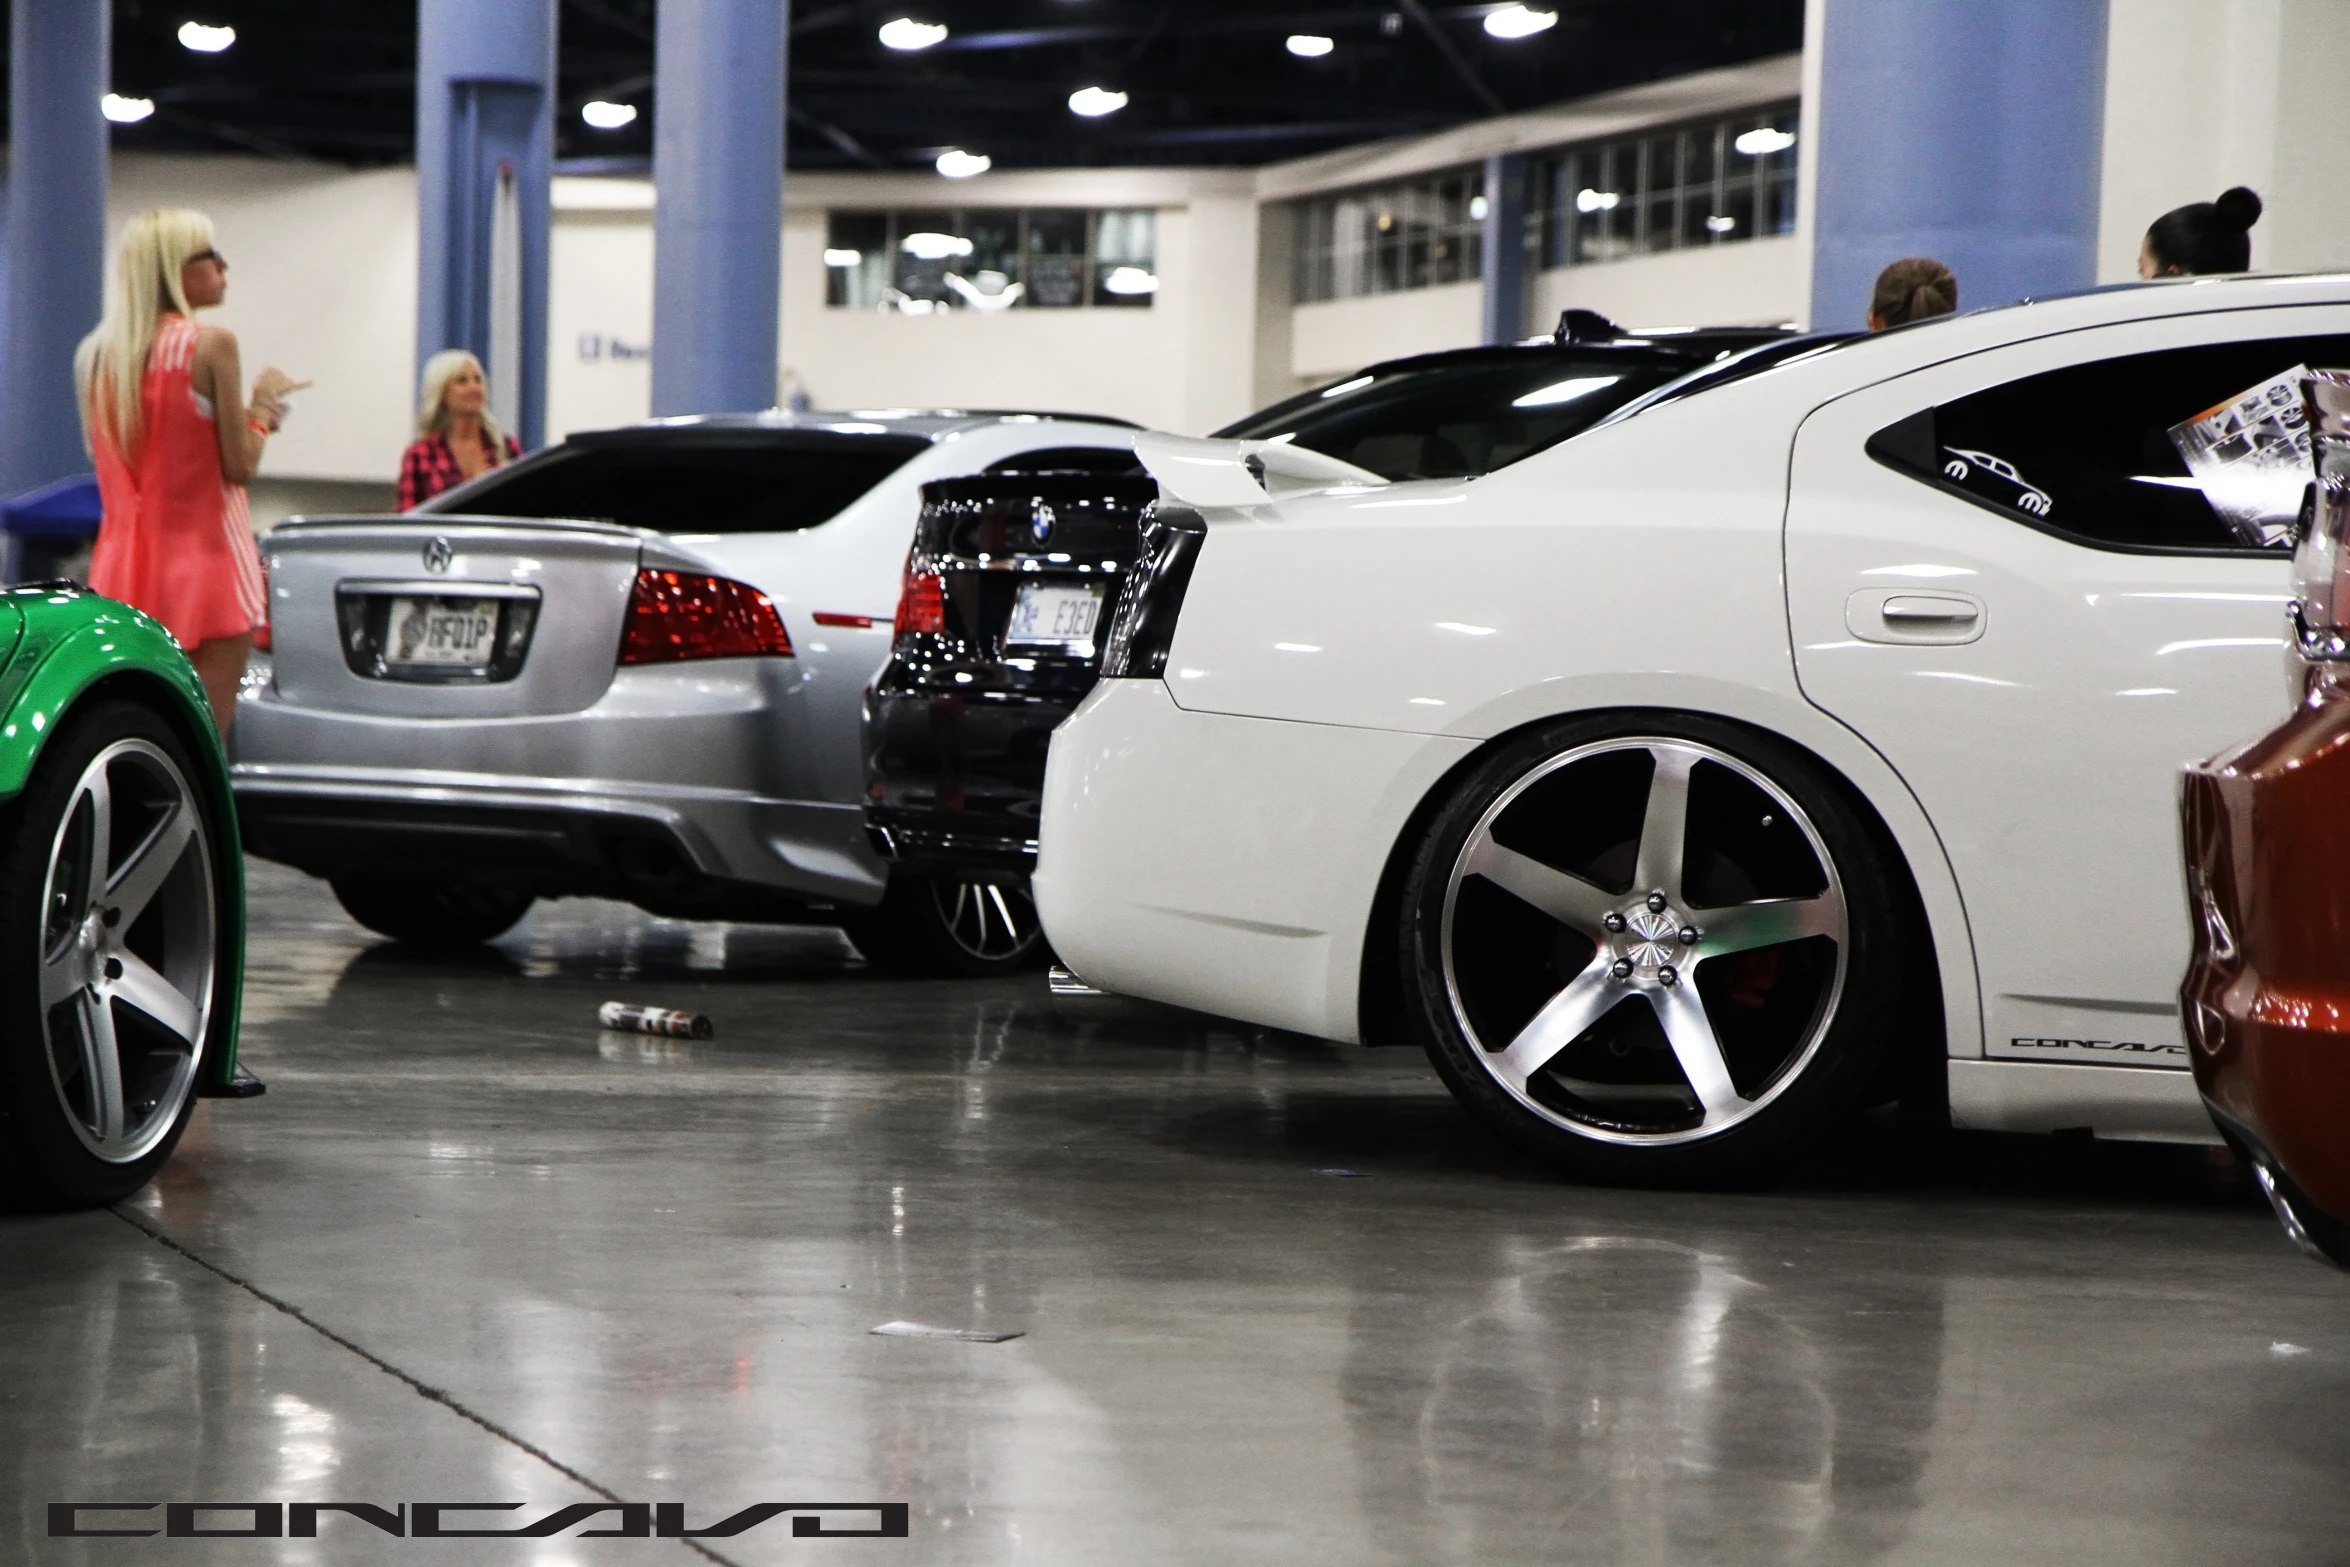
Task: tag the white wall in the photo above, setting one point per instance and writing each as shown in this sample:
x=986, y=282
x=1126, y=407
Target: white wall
x=2204, y=94
x=600, y=291
x=322, y=281
x=1758, y=282
x=1333, y=336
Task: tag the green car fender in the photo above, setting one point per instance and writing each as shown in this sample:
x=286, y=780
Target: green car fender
x=64, y=645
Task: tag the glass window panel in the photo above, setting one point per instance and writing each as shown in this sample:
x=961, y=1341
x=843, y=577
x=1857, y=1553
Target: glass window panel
x=1697, y=158
x=1664, y=165
x=856, y=259
x=1054, y=265
x=929, y=243
x=1125, y=269
x=1658, y=233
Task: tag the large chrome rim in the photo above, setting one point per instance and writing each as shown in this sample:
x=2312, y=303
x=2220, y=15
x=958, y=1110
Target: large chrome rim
x=1644, y=941
x=127, y=950
x=986, y=920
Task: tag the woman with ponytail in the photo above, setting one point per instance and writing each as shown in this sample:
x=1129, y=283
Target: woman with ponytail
x=2202, y=237
x=174, y=439
x=1911, y=290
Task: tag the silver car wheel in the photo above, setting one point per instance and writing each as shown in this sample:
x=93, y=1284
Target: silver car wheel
x=127, y=957
x=986, y=920
x=1635, y=1047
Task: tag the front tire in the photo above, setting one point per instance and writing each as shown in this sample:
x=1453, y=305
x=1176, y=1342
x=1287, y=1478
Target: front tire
x=1654, y=951
x=436, y=915
x=112, y=956
x=952, y=927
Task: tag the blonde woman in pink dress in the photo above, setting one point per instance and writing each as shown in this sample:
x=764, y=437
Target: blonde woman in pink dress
x=174, y=440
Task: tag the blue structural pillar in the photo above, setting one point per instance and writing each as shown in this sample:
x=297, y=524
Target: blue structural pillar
x=718, y=103
x=485, y=143
x=1502, y=240
x=52, y=271
x=1964, y=130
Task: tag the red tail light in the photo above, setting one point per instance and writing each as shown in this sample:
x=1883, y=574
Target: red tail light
x=261, y=632
x=676, y=615
x=922, y=603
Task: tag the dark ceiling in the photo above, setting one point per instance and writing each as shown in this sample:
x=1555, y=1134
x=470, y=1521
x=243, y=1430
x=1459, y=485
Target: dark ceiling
x=1209, y=81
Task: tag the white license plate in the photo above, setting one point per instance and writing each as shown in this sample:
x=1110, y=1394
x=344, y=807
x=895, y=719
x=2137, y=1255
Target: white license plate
x=1050, y=615
x=447, y=633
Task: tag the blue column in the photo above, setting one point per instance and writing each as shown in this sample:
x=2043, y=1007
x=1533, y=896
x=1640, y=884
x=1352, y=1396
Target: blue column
x=54, y=260
x=1502, y=241
x=485, y=116
x=718, y=96
x=1965, y=130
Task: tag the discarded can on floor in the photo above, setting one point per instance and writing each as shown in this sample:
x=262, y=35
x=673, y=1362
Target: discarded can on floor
x=654, y=1020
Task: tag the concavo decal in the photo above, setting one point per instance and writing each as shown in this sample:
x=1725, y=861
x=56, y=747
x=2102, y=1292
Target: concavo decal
x=465, y=1520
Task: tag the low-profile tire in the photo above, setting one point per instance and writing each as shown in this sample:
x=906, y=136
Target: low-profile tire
x=1653, y=949
x=948, y=926
x=439, y=915
x=114, y=956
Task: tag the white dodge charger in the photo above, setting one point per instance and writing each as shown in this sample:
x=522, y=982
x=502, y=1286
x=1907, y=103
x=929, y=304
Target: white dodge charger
x=1802, y=734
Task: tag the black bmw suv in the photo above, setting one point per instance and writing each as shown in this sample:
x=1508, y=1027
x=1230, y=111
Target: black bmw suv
x=1015, y=573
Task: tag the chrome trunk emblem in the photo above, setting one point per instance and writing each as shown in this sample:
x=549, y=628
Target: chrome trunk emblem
x=438, y=554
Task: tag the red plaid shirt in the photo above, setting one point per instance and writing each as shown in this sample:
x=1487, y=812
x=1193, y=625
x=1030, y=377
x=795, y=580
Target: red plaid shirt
x=429, y=467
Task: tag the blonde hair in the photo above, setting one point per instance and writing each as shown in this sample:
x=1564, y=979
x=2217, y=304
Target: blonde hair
x=432, y=412
x=111, y=362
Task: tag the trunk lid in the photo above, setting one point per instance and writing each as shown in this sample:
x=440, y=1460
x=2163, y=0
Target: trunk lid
x=450, y=617
x=1030, y=563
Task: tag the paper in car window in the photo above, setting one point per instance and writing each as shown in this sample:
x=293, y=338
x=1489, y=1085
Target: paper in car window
x=2250, y=455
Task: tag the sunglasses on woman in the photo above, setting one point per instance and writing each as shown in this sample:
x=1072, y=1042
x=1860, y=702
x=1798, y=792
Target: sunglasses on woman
x=208, y=254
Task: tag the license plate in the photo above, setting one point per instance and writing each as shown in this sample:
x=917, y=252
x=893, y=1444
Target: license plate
x=1050, y=615
x=443, y=633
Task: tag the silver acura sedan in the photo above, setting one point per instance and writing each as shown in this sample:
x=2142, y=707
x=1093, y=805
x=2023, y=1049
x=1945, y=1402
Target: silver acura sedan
x=629, y=666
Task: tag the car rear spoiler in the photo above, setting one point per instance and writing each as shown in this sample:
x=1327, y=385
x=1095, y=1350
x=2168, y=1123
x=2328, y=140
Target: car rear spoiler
x=1213, y=475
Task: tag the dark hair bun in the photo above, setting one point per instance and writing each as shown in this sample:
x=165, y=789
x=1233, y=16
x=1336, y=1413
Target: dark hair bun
x=2238, y=208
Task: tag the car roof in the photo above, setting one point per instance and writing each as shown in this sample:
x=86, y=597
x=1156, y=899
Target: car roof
x=926, y=423
x=1691, y=343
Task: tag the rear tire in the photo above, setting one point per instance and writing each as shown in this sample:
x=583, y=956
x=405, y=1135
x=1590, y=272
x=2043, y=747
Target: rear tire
x=1653, y=950
x=951, y=927
x=436, y=915
x=114, y=956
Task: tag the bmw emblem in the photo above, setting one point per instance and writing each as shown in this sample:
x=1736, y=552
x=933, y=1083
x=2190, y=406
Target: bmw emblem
x=1042, y=525
x=438, y=554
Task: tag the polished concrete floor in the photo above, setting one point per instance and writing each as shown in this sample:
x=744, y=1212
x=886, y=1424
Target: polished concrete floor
x=1280, y=1301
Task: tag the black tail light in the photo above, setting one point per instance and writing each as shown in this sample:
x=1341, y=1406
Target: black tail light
x=1142, y=628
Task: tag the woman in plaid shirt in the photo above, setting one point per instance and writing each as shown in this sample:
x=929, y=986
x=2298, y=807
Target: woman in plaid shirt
x=458, y=438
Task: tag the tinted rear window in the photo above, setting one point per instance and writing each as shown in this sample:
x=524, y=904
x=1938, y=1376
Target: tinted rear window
x=1452, y=421
x=764, y=484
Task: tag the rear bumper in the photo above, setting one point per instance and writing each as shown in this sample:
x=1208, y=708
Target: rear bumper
x=954, y=781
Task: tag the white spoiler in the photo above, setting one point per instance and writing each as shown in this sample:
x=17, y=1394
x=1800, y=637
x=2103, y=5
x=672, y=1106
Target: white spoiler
x=1224, y=474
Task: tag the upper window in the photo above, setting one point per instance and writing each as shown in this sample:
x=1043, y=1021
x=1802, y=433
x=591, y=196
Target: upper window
x=1458, y=419
x=768, y=482
x=918, y=262
x=2087, y=451
x=1389, y=238
x=1712, y=183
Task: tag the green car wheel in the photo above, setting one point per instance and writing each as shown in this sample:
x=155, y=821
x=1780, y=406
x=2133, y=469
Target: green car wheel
x=121, y=908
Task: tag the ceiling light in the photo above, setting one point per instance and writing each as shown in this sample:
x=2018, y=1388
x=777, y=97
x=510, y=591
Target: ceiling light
x=1719, y=224
x=907, y=34
x=1094, y=102
x=956, y=164
x=125, y=111
x=927, y=246
x=1478, y=207
x=843, y=258
x=1589, y=200
x=608, y=116
x=1517, y=21
x=1763, y=141
x=1130, y=280
x=206, y=40
x=1310, y=46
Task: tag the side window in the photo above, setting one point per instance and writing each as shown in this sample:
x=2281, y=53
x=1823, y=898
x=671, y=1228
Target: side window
x=2087, y=451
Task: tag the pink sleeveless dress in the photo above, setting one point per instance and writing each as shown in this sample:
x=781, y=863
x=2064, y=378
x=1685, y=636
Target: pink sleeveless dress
x=175, y=539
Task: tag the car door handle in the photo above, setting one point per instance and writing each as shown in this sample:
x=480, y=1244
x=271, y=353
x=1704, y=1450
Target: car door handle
x=1908, y=616
x=1914, y=610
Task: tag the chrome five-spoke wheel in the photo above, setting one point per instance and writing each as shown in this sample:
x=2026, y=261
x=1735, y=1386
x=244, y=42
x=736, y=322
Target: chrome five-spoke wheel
x=111, y=953
x=1633, y=948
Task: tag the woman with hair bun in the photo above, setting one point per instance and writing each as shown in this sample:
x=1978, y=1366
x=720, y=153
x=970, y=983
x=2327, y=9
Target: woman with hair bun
x=2202, y=237
x=1912, y=289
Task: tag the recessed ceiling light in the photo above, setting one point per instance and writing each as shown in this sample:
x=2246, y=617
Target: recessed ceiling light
x=206, y=40
x=834, y=257
x=956, y=164
x=924, y=245
x=907, y=34
x=125, y=111
x=1094, y=102
x=1589, y=200
x=1310, y=46
x=1764, y=140
x=1130, y=281
x=608, y=116
x=1517, y=21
